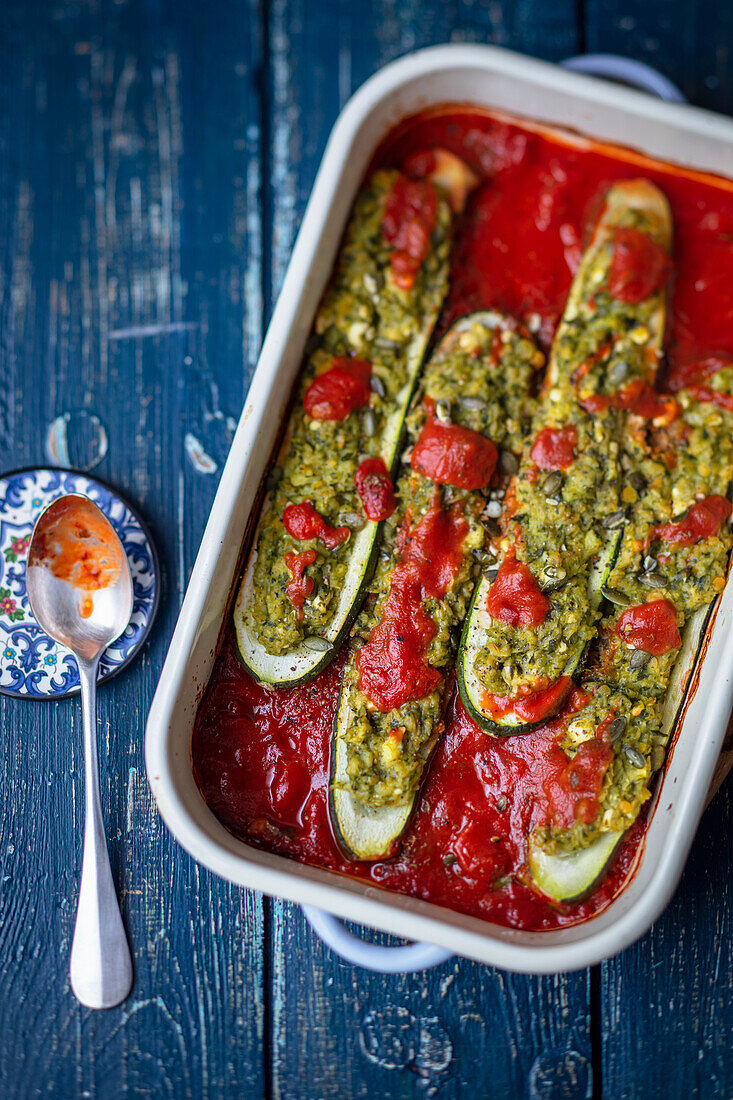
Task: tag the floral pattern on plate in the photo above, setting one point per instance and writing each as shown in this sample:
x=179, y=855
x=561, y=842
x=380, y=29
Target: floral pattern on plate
x=31, y=665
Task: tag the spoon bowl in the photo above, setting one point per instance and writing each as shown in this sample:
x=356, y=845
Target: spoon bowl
x=80, y=591
x=78, y=577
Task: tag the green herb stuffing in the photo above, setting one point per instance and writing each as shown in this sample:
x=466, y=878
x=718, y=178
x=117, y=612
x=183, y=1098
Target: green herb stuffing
x=563, y=519
x=363, y=314
x=479, y=377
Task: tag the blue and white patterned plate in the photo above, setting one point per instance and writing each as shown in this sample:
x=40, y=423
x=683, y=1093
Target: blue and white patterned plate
x=31, y=665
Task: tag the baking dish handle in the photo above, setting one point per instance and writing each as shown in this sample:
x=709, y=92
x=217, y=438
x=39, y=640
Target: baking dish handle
x=626, y=71
x=372, y=956
x=422, y=956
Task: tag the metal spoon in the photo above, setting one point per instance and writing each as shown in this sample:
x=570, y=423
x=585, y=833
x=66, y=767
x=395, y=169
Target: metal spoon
x=80, y=591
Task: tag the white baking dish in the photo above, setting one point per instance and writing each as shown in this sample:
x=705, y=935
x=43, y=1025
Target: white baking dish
x=493, y=78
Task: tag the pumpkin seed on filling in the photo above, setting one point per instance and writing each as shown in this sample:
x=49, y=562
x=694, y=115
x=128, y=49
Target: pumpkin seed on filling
x=617, y=728
x=473, y=403
x=615, y=595
x=552, y=483
x=616, y=519
x=634, y=757
x=508, y=463
x=318, y=645
x=652, y=580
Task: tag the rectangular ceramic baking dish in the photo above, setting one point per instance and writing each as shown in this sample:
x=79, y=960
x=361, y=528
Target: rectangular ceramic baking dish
x=492, y=78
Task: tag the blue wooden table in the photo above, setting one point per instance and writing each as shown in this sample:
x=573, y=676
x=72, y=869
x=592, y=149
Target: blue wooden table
x=155, y=159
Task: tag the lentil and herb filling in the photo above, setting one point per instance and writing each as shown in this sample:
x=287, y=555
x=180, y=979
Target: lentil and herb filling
x=332, y=483
x=470, y=418
x=672, y=563
x=531, y=626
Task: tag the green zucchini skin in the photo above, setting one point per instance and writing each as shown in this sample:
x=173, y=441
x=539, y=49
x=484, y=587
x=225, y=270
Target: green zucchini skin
x=586, y=496
x=275, y=646
x=301, y=665
x=569, y=877
x=468, y=687
x=362, y=833
x=374, y=785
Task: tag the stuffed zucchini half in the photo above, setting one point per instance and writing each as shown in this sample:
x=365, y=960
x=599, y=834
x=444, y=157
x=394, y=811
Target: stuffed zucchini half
x=464, y=438
x=531, y=622
x=671, y=566
x=315, y=543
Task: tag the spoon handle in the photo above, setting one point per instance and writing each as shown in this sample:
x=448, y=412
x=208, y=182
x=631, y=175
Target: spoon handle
x=101, y=967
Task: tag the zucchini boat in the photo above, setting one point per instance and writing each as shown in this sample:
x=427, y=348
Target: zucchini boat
x=671, y=567
x=529, y=627
x=315, y=544
x=390, y=711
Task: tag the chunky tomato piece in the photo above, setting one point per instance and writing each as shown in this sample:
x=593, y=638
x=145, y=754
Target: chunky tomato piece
x=651, y=627
x=702, y=520
x=375, y=489
x=449, y=454
x=300, y=587
x=530, y=706
x=302, y=521
x=554, y=448
x=392, y=665
x=639, y=267
x=408, y=222
x=340, y=390
x=515, y=597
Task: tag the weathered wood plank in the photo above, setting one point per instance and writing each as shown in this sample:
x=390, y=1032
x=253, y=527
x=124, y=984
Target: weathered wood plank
x=665, y=1002
x=130, y=285
x=343, y=1031
x=692, y=44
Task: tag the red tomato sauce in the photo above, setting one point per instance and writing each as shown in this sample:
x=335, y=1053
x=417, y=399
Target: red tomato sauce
x=701, y=520
x=515, y=597
x=530, y=706
x=393, y=666
x=262, y=757
x=375, y=489
x=705, y=393
x=651, y=627
x=340, y=390
x=407, y=224
x=638, y=398
x=639, y=266
x=449, y=454
x=302, y=521
x=554, y=448
x=300, y=587
x=75, y=545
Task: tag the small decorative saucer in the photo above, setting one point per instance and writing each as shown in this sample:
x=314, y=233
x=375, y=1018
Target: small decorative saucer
x=31, y=665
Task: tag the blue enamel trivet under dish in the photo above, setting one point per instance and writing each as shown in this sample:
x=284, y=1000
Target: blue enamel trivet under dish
x=31, y=665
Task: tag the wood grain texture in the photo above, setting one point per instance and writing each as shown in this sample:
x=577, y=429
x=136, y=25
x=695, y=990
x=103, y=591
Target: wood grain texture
x=131, y=275
x=691, y=43
x=666, y=1002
